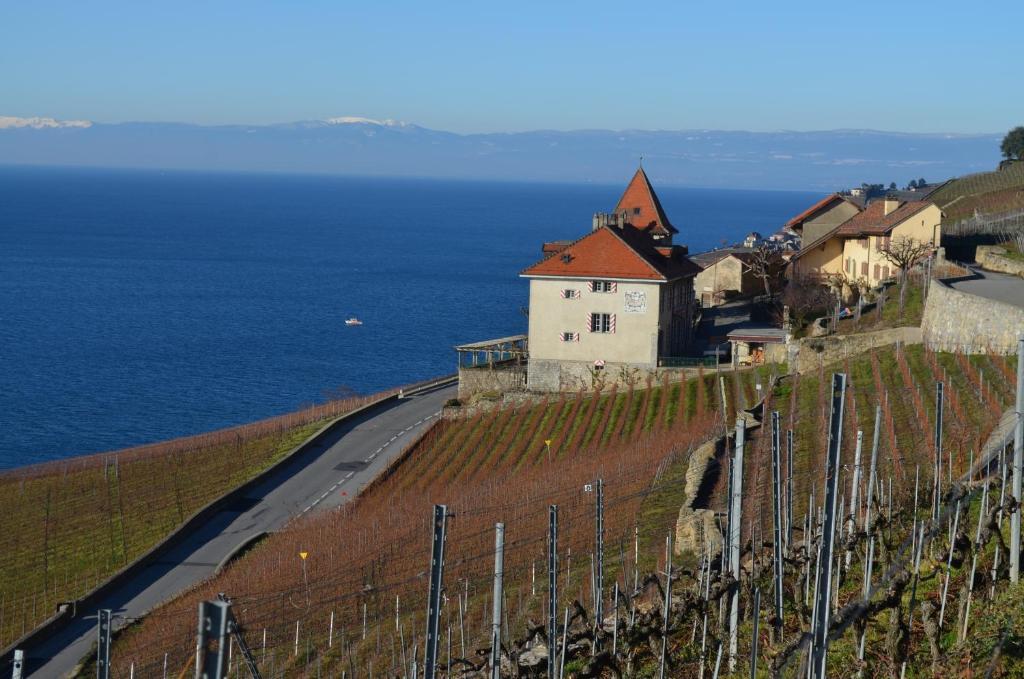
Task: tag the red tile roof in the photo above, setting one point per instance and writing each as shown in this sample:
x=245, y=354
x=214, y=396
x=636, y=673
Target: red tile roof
x=642, y=207
x=818, y=208
x=873, y=221
x=611, y=252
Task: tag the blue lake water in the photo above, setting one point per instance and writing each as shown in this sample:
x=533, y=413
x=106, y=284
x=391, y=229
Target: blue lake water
x=142, y=305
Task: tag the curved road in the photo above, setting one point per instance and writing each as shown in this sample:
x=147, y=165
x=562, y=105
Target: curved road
x=1000, y=287
x=325, y=475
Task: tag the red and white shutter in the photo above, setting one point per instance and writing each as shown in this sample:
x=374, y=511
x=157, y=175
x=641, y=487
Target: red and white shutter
x=611, y=323
x=590, y=285
x=576, y=294
x=575, y=337
x=615, y=286
x=590, y=323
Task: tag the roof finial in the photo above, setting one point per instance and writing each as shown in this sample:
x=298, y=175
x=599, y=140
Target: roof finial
x=641, y=161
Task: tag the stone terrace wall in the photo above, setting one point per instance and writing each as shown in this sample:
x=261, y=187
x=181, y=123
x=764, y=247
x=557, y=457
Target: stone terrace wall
x=958, y=321
x=991, y=257
x=806, y=354
x=497, y=380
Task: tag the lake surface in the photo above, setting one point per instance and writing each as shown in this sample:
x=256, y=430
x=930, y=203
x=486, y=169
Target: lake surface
x=137, y=306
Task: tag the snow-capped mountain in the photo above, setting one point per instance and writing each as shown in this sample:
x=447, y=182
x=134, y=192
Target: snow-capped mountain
x=355, y=120
x=826, y=160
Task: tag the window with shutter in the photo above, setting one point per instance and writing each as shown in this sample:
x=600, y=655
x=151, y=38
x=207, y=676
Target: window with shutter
x=864, y=269
x=601, y=322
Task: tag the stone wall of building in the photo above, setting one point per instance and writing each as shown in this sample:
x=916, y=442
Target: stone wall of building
x=554, y=376
x=958, y=321
x=806, y=354
x=574, y=375
x=991, y=257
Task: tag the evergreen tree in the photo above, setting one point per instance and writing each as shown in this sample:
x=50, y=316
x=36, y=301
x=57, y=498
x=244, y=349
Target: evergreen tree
x=1013, y=144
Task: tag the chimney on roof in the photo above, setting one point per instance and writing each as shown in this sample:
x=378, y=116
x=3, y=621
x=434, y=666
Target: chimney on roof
x=890, y=204
x=613, y=219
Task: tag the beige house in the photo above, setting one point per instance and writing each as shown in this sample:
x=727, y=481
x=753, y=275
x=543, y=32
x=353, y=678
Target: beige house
x=618, y=300
x=853, y=249
x=723, y=275
x=824, y=216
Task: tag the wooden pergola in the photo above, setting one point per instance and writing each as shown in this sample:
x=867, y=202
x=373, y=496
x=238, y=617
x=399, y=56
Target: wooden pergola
x=496, y=352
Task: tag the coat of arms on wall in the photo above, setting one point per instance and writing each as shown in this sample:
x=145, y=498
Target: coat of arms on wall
x=636, y=302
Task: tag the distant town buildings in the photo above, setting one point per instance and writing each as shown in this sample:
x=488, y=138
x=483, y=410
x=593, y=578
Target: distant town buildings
x=621, y=298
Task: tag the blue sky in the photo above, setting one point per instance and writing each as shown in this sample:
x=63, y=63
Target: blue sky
x=482, y=66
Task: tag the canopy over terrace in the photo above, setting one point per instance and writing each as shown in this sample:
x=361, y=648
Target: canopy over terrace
x=493, y=352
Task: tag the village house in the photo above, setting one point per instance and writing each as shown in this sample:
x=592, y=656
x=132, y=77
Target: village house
x=853, y=249
x=824, y=216
x=618, y=300
x=725, y=274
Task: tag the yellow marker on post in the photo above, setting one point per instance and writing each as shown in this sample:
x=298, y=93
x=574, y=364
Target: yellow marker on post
x=303, y=555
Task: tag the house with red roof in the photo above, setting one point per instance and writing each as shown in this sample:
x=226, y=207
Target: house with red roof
x=824, y=216
x=853, y=249
x=618, y=299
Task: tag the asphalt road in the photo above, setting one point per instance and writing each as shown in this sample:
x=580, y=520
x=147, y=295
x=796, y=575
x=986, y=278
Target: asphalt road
x=1000, y=287
x=327, y=475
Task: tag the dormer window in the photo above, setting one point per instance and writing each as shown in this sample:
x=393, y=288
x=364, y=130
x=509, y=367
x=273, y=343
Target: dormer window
x=636, y=211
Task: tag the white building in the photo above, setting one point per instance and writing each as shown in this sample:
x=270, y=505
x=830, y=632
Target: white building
x=618, y=300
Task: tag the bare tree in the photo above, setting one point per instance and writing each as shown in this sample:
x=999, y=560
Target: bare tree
x=765, y=264
x=806, y=297
x=904, y=253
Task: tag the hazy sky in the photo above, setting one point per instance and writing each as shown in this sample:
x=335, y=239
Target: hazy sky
x=487, y=66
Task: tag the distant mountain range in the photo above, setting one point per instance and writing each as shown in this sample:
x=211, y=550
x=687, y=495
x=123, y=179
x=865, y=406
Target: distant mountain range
x=824, y=160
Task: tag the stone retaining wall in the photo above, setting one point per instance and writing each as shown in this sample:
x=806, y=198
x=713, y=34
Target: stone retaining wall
x=695, y=526
x=806, y=354
x=959, y=321
x=991, y=257
x=491, y=380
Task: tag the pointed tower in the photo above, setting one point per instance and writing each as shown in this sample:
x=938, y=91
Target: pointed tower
x=642, y=209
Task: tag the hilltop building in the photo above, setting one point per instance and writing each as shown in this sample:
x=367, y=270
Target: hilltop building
x=619, y=299
x=853, y=248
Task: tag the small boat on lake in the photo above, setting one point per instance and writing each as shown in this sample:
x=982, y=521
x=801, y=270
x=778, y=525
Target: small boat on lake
x=353, y=321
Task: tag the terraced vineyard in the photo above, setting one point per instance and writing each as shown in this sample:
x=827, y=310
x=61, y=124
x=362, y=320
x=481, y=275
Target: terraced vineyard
x=506, y=464
x=978, y=389
x=985, y=192
x=66, y=526
x=355, y=603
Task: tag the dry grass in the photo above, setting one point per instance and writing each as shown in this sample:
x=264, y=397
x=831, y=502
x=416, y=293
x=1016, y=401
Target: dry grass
x=66, y=526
